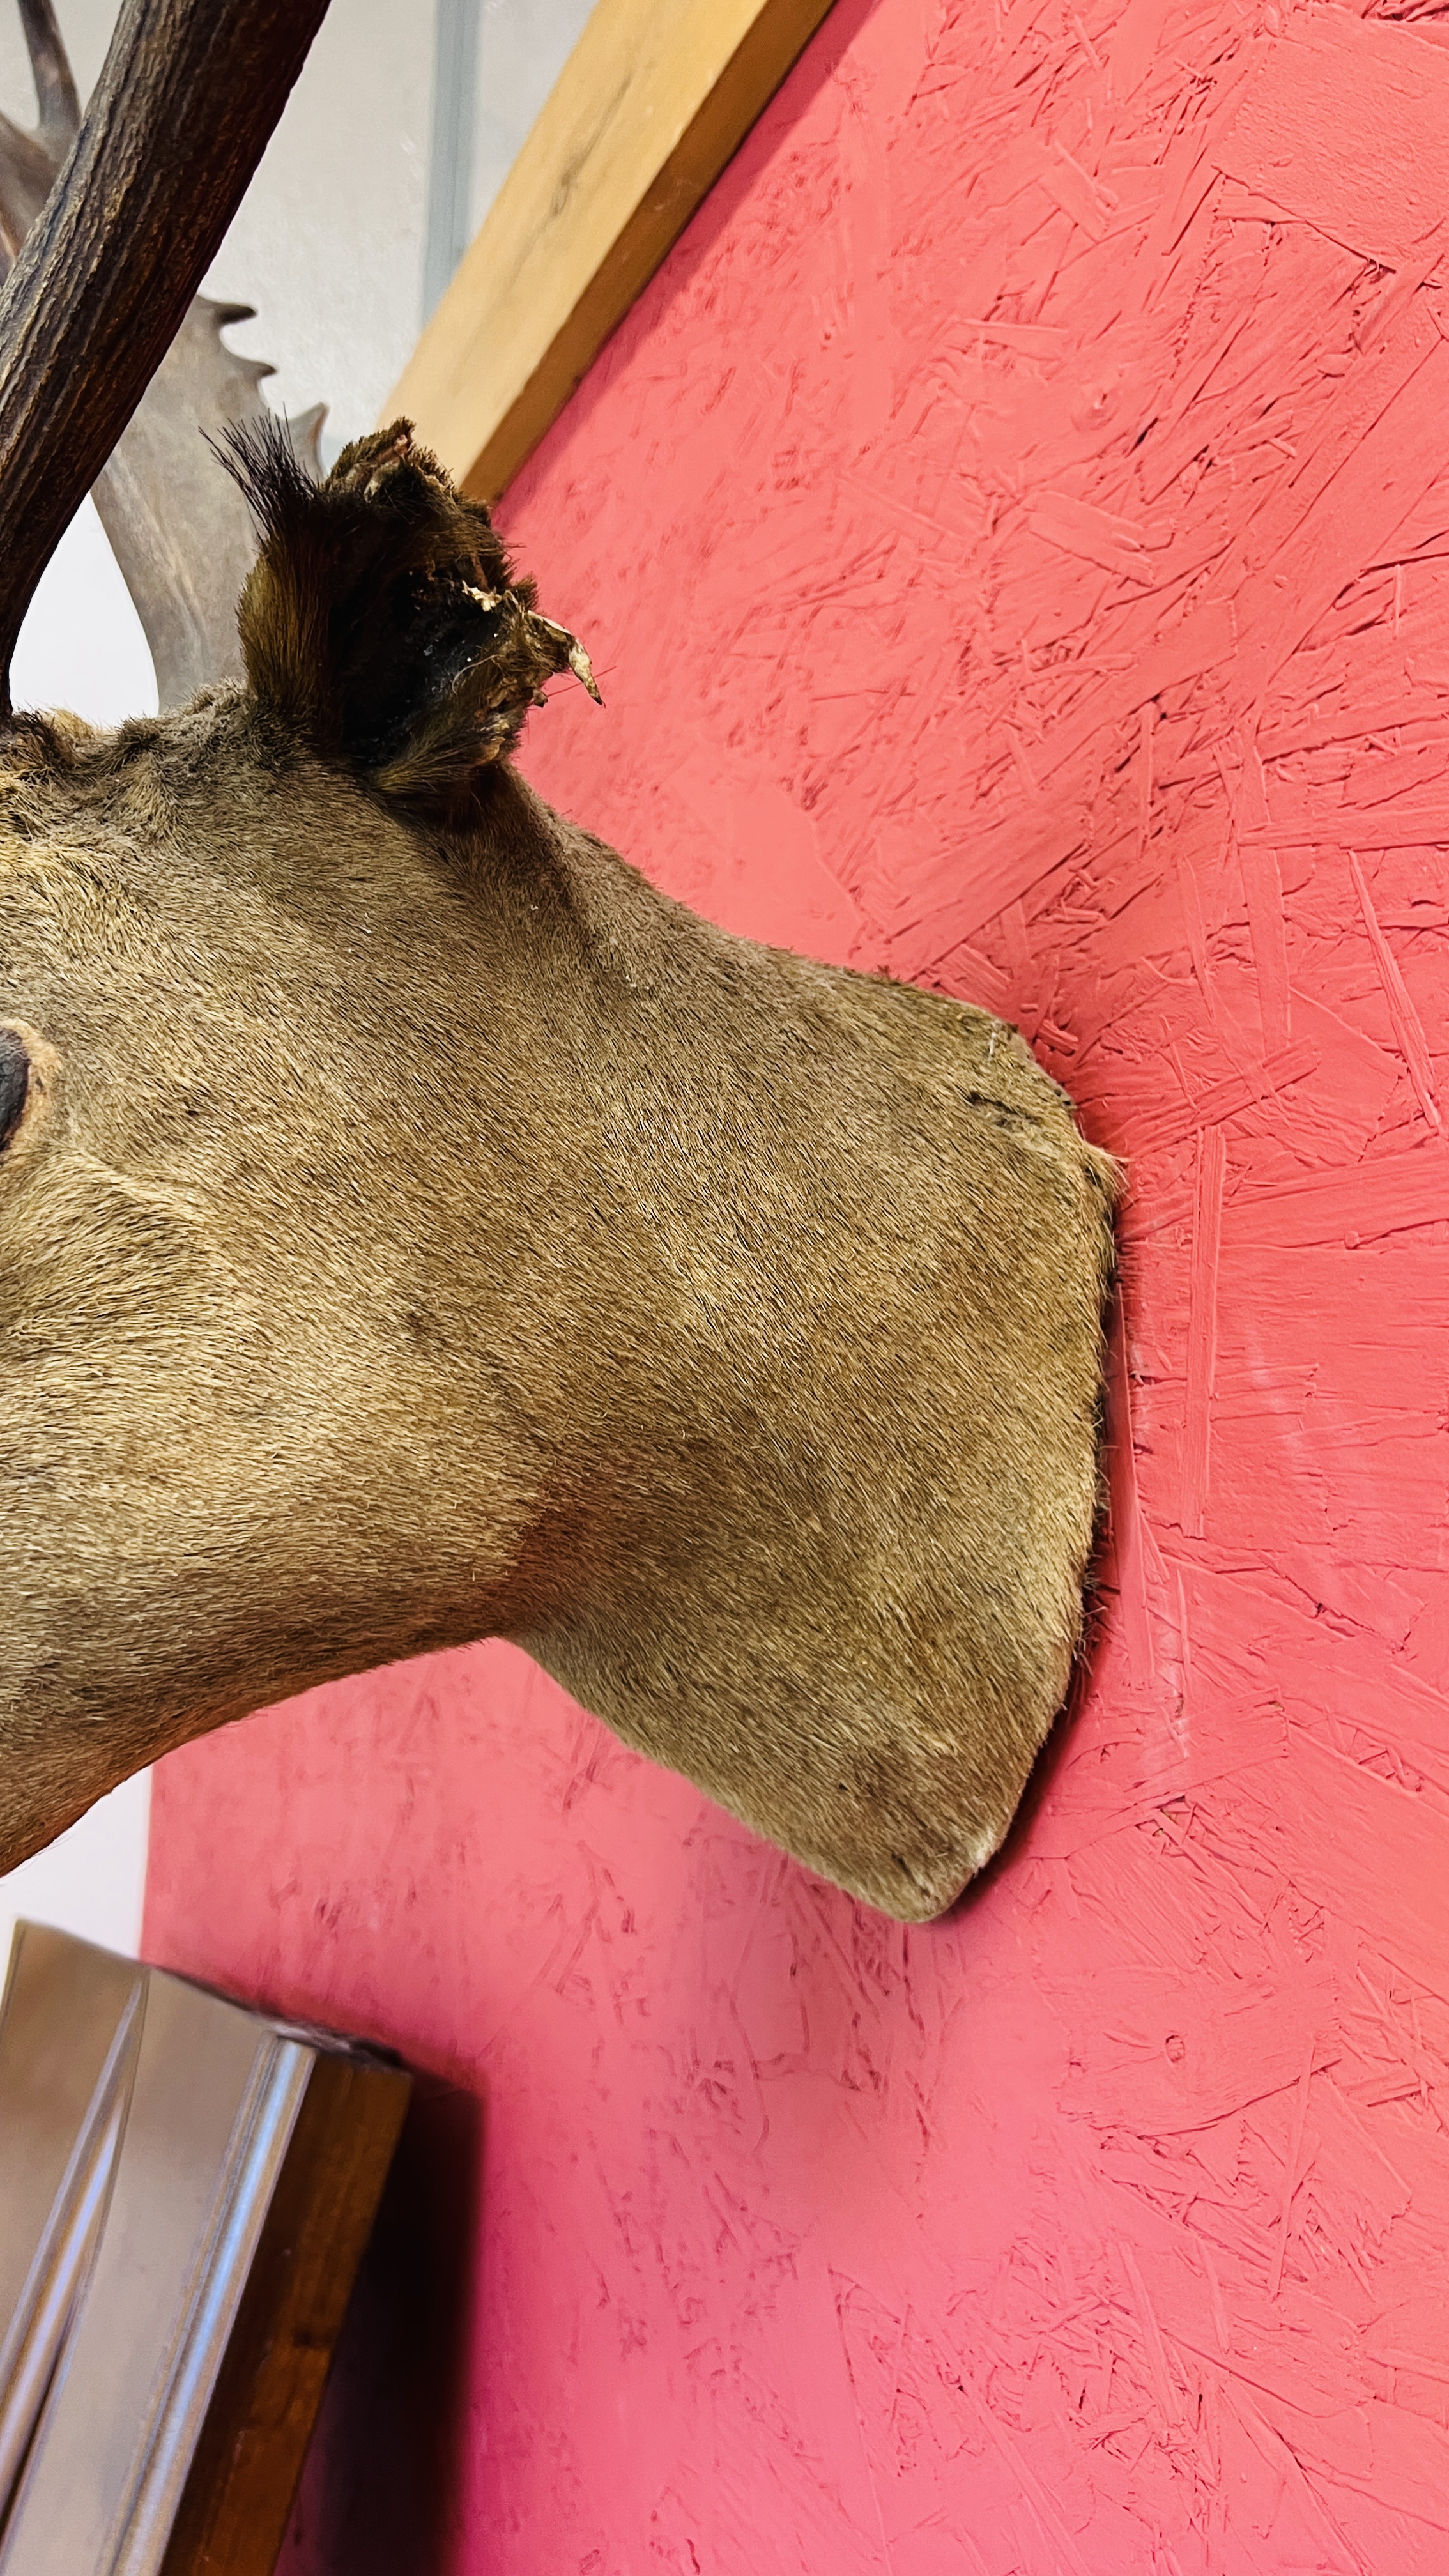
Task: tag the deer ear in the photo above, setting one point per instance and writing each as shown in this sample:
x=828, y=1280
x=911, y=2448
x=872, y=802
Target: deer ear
x=381, y=622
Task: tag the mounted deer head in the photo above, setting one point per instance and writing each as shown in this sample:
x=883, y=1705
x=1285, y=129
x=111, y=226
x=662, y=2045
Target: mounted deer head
x=415, y=1228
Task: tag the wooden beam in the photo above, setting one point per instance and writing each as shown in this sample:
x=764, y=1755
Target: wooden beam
x=653, y=100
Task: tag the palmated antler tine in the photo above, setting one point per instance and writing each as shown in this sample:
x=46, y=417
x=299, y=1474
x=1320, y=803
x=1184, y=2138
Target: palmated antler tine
x=304, y=428
x=55, y=90
x=179, y=528
x=181, y=115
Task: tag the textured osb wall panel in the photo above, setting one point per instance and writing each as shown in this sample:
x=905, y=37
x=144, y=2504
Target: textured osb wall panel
x=1014, y=536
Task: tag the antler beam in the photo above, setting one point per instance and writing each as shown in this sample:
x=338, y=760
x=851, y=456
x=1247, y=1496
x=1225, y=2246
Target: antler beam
x=181, y=116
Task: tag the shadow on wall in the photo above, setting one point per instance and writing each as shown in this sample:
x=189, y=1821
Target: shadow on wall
x=382, y=2489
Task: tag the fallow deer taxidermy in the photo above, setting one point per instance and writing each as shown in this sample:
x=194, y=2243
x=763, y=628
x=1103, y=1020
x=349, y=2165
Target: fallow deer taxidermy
x=414, y=1228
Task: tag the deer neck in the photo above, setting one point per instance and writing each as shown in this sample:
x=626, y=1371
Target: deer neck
x=643, y=1096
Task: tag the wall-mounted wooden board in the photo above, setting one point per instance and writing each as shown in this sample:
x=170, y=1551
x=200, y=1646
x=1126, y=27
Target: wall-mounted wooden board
x=650, y=105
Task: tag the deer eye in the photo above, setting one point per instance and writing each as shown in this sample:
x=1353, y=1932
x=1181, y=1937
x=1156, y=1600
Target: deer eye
x=14, y=1083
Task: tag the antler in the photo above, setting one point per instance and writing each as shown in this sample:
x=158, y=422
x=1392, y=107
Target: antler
x=189, y=95
x=29, y=162
x=179, y=529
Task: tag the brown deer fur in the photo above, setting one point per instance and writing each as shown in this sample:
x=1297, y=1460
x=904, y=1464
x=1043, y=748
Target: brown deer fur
x=416, y=1228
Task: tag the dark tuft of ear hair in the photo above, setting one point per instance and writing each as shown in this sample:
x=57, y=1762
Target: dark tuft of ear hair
x=381, y=622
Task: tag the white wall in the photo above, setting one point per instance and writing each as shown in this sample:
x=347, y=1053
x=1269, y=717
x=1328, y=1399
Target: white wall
x=329, y=245
x=522, y=47
x=92, y=1881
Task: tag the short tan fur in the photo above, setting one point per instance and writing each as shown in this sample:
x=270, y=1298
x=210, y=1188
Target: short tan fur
x=413, y=1227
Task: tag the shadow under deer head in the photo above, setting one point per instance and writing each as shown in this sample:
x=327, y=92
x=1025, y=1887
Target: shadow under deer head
x=414, y=1228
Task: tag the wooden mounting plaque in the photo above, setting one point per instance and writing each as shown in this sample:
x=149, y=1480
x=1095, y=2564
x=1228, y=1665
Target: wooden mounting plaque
x=186, y=2189
x=652, y=102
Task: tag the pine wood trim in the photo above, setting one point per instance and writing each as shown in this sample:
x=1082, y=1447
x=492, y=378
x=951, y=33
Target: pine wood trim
x=649, y=107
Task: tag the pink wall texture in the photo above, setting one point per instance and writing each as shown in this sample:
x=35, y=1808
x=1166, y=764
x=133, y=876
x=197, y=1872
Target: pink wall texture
x=1013, y=533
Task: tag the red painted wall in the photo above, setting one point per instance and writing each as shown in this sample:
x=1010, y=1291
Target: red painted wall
x=1013, y=532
